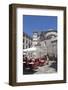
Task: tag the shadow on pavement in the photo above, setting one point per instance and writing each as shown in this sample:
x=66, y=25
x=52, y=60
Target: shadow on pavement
x=28, y=72
x=54, y=65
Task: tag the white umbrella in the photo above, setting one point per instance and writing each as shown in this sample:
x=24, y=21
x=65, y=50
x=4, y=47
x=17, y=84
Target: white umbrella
x=30, y=49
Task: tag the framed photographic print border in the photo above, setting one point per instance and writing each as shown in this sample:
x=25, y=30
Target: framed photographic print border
x=12, y=44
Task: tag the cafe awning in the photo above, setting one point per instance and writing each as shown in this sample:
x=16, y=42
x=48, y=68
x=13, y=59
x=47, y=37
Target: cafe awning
x=30, y=49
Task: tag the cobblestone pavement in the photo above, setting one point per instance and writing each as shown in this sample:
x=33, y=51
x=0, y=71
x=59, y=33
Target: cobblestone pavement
x=46, y=68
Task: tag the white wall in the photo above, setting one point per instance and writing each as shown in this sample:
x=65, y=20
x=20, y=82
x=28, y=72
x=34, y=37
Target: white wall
x=4, y=47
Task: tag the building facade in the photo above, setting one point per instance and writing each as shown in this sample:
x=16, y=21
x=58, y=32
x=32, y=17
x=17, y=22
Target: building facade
x=46, y=43
x=27, y=41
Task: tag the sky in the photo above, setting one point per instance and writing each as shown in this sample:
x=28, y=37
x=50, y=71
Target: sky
x=33, y=23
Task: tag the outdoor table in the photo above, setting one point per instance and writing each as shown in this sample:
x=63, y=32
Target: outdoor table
x=31, y=64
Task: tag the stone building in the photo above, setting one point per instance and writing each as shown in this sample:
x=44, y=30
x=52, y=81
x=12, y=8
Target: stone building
x=46, y=43
x=27, y=41
x=51, y=42
x=40, y=45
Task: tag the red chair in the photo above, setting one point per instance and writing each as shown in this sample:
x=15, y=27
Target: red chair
x=36, y=63
x=41, y=61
